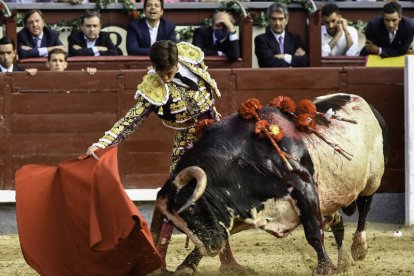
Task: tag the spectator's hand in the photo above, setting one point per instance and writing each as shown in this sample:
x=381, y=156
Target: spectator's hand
x=26, y=48
x=225, y=19
x=371, y=47
x=102, y=48
x=344, y=23
x=73, y=2
x=31, y=71
x=300, y=52
x=280, y=56
x=90, y=70
x=91, y=152
x=76, y=47
x=63, y=47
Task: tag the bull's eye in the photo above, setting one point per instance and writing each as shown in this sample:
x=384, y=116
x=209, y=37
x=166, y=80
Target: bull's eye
x=191, y=209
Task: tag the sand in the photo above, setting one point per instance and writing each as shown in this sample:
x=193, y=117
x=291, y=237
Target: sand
x=266, y=255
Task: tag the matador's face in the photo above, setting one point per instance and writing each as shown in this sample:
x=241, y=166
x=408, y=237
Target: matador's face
x=167, y=74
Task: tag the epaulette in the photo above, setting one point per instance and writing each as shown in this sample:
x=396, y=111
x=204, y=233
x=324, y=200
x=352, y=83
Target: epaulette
x=153, y=89
x=189, y=53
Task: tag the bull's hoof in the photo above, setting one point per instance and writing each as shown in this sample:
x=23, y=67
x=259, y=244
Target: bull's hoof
x=184, y=271
x=160, y=272
x=236, y=270
x=359, y=246
x=344, y=261
x=344, y=264
x=325, y=269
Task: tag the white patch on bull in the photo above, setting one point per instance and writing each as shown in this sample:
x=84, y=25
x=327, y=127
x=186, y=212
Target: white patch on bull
x=362, y=235
x=238, y=186
x=227, y=192
x=342, y=254
x=182, y=225
x=339, y=180
x=231, y=218
x=279, y=217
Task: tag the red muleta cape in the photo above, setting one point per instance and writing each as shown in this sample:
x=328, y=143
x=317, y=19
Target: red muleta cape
x=76, y=219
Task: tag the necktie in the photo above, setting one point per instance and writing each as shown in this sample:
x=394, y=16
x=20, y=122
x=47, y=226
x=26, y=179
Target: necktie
x=187, y=81
x=392, y=36
x=36, y=42
x=281, y=46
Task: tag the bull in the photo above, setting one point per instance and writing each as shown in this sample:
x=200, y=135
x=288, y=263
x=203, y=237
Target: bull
x=232, y=180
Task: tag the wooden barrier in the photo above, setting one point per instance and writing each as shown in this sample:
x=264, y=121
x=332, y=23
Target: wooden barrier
x=44, y=121
x=121, y=62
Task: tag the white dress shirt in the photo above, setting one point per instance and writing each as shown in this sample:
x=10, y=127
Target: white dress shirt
x=153, y=31
x=91, y=44
x=340, y=48
x=10, y=69
x=185, y=72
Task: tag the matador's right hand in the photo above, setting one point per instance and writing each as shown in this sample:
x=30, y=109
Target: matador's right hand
x=91, y=152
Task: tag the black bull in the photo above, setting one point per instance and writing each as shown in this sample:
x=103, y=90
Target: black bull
x=233, y=180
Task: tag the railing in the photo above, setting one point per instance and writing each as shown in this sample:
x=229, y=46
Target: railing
x=55, y=116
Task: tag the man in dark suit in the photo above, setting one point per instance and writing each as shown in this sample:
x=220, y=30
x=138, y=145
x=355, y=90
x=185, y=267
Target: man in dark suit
x=90, y=40
x=278, y=47
x=7, y=55
x=36, y=40
x=389, y=35
x=141, y=34
x=220, y=39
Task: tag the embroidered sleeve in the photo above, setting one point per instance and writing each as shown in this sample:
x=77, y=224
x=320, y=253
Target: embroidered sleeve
x=127, y=125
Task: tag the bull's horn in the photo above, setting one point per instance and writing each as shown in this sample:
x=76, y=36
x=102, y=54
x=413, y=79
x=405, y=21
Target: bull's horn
x=184, y=177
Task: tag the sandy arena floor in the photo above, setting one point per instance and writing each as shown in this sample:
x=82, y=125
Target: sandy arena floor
x=388, y=255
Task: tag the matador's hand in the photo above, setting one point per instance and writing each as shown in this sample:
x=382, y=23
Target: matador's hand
x=91, y=152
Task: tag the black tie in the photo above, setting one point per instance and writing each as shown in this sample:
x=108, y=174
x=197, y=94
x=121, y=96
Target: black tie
x=187, y=81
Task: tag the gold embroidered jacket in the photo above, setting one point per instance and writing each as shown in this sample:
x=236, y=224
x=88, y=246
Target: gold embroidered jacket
x=178, y=107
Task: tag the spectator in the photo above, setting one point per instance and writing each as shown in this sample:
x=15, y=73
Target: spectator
x=338, y=39
x=279, y=47
x=90, y=40
x=57, y=61
x=219, y=40
x=8, y=55
x=389, y=35
x=35, y=39
x=141, y=34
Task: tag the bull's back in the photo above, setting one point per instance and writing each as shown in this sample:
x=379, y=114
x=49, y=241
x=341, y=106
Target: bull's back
x=340, y=180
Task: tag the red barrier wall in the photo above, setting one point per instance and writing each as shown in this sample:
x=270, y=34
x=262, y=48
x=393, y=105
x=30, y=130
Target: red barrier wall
x=54, y=116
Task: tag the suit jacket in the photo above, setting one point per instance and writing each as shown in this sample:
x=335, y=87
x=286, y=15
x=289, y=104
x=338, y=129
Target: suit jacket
x=78, y=38
x=378, y=34
x=203, y=38
x=138, y=40
x=266, y=46
x=15, y=68
x=24, y=38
